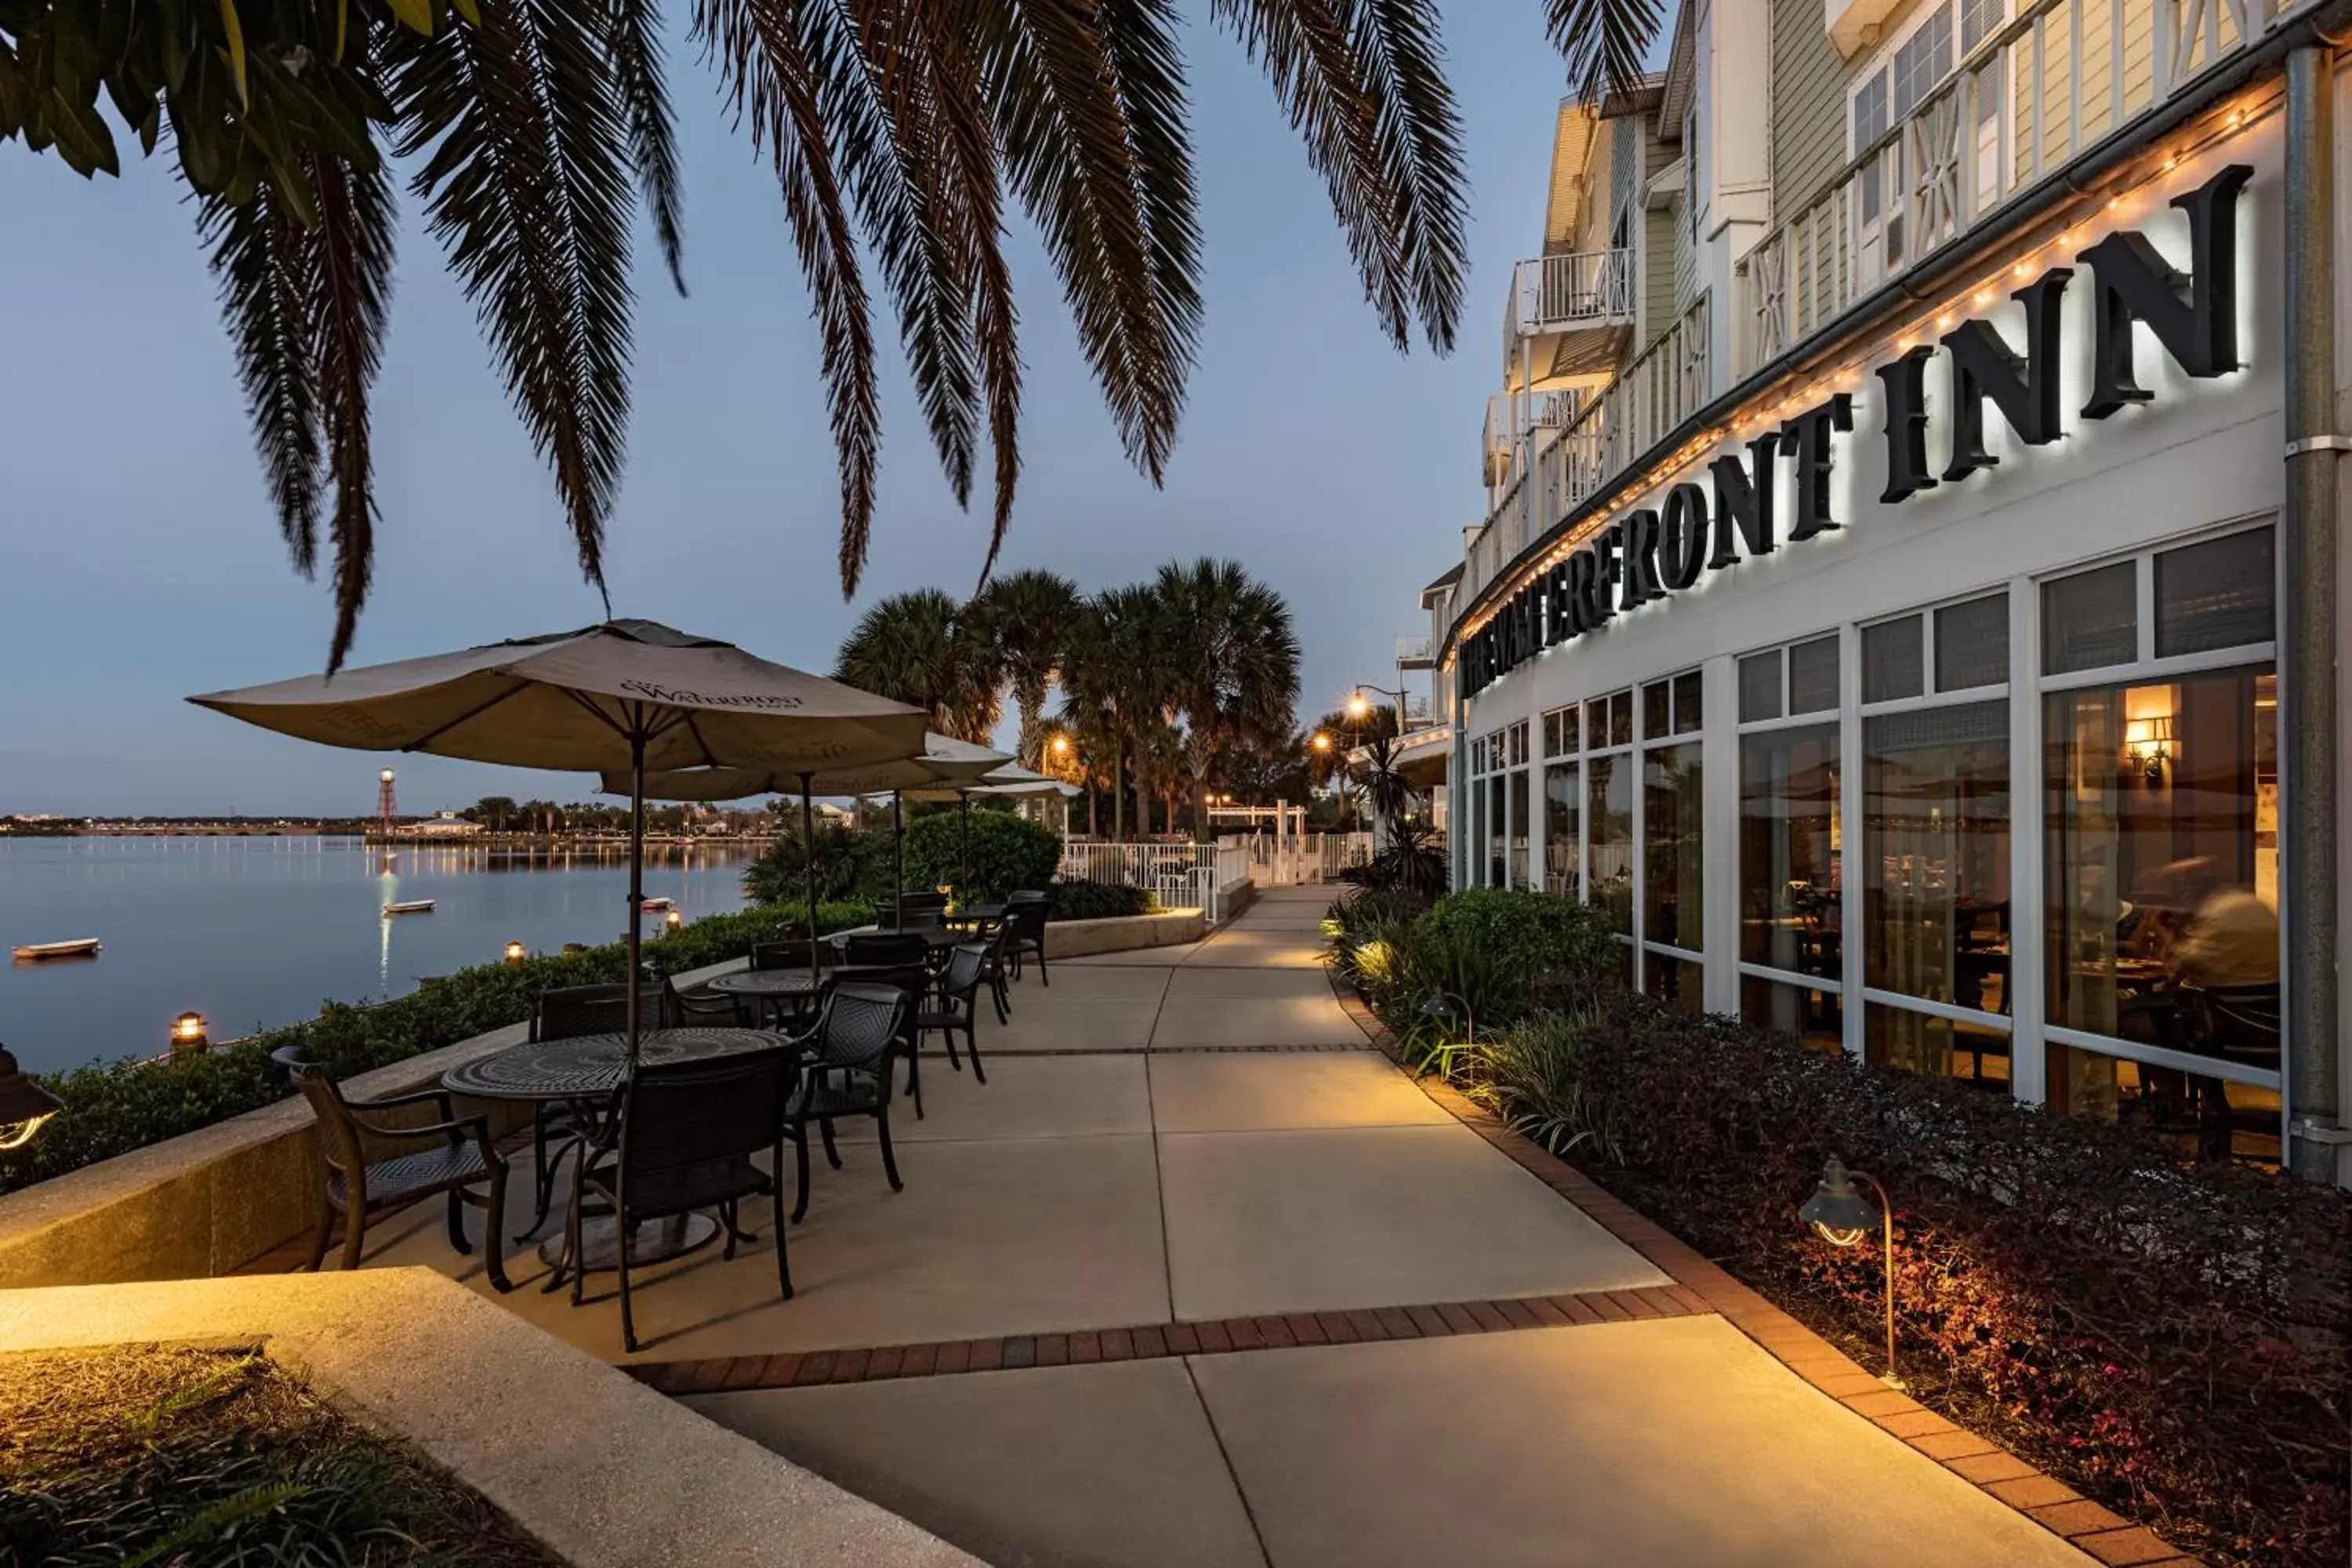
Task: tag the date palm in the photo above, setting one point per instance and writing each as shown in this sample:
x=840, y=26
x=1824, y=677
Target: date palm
x=899, y=130
x=1029, y=616
x=924, y=649
x=1234, y=663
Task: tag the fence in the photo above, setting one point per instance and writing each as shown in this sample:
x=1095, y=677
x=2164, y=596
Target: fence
x=1303, y=859
x=1180, y=876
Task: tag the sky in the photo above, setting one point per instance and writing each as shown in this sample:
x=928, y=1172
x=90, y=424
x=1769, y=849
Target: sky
x=144, y=563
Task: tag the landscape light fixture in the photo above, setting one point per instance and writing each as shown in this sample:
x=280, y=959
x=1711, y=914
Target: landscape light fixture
x=515, y=954
x=1842, y=1217
x=188, y=1033
x=25, y=1105
x=672, y=920
x=1448, y=1007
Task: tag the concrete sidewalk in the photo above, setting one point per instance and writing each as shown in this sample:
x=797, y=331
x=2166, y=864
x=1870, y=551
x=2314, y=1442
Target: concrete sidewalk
x=1197, y=1278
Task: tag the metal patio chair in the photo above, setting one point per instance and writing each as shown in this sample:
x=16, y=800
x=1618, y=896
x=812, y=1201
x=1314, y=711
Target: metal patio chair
x=847, y=1072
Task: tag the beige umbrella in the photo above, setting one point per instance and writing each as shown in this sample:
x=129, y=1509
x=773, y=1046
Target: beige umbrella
x=943, y=761
x=621, y=695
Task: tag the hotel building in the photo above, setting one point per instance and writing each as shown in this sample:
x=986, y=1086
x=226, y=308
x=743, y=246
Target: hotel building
x=1907, y=597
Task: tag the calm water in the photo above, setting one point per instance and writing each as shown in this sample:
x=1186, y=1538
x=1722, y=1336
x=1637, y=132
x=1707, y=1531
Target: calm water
x=254, y=932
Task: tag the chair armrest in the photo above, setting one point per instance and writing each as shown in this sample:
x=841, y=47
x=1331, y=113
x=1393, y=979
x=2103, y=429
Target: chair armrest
x=456, y=1130
x=437, y=1096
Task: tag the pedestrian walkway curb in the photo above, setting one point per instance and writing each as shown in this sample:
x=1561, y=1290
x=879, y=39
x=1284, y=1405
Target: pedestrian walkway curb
x=2105, y=1536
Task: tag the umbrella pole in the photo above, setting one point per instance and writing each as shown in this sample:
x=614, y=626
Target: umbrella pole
x=963, y=844
x=636, y=881
x=898, y=860
x=808, y=853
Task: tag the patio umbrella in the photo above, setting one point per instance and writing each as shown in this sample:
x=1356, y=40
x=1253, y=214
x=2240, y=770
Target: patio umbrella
x=943, y=760
x=624, y=694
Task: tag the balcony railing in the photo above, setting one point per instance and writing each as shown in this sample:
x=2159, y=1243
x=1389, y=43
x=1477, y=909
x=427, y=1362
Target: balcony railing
x=2056, y=81
x=1662, y=385
x=1560, y=293
x=1511, y=416
x=1413, y=653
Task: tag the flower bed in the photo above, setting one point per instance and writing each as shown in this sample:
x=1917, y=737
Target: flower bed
x=113, y=1108
x=2169, y=1340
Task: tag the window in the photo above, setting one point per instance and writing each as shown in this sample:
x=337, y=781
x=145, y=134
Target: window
x=2161, y=952
x=1892, y=666
x=1674, y=875
x=1609, y=811
x=1813, y=675
x=1791, y=845
x=1563, y=831
x=1760, y=687
x=2091, y=620
x=1979, y=19
x=1923, y=60
x=1972, y=643
x=1898, y=81
x=1935, y=912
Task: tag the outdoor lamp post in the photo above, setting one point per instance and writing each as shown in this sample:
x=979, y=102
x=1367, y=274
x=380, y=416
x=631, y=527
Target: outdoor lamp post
x=24, y=1104
x=1446, y=1007
x=515, y=954
x=1843, y=1217
x=188, y=1033
x=672, y=920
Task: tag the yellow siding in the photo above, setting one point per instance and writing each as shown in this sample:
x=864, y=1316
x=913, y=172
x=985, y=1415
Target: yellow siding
x=2056, y=87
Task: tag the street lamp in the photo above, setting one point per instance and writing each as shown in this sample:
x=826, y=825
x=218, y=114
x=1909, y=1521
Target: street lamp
x=188, y=1033
x=24, y=1104
x=1843, y=1217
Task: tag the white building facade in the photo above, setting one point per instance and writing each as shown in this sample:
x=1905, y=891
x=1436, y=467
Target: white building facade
x=1907, y=603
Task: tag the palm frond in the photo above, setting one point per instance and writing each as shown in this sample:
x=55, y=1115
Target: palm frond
x=1418, y=136
x=525, y=179
x=1603, y=41
x=260, y=255
x=349, y=295
x=653, y=137
x=1312, y=64
x=768, y=77
x=1062, y=96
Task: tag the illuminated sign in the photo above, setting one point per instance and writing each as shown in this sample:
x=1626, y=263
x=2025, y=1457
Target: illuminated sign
x=1648, y=555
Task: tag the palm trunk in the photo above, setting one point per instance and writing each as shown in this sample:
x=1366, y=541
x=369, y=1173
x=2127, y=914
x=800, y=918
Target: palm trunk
x=1203, y=748
x=1118, y=778
x=1031, y=698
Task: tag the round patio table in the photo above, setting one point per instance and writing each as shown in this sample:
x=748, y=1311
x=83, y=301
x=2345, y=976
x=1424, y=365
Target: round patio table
x=585, y=1070
x=772, y=988
x=934, y=937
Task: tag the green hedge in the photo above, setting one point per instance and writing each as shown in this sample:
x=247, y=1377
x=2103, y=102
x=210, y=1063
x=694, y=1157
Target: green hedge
x=1084, y=900
x=1007, y=852
x=113, y=1108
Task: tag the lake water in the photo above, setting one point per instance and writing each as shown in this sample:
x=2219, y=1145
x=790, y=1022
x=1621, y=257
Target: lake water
x=256, y=932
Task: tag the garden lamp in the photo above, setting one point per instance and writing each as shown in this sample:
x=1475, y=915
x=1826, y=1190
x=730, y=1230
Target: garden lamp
x=515, y=954
x=1842, y=1217
x=188, y=1032
x=1446, y=1007
x=24, y=1104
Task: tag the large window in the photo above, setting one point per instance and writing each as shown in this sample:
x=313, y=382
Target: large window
x=1608, y=812
x=1791, y=843
x=2160, y=814
x=1563, y=805
x=1519, y=873
x=1936, y=922
x=1673, y=809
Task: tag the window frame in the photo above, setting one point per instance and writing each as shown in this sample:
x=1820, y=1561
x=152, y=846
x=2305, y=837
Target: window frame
x=1833, y=719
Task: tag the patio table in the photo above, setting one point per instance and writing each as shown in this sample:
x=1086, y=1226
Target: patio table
x=935, y=937
x=975, y=914
x=774, y=989
x=586, y=1070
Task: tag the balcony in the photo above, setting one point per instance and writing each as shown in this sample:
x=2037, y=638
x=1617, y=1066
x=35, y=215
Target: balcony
x=1413, y=653
x=2050, y=85
x=1510, y=417
x=1570, y=316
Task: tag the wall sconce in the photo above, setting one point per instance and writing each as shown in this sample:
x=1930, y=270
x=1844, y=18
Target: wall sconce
x=515, y=954
x=1843, y=1217
x=25, y=1105
x=2147, y=745
x=188, y=1033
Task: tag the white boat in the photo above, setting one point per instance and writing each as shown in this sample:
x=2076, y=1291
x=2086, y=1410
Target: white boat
x=413, y=907
x=659, y=906
x=80, y=947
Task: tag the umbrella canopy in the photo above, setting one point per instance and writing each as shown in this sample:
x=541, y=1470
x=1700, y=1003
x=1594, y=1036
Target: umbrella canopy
x=943, y=761
x=1009, y=774
x=619, y=695
x=573, y=700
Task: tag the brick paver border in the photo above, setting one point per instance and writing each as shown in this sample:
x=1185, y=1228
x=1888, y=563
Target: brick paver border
x=1150, y=1341
x=2105, y=1536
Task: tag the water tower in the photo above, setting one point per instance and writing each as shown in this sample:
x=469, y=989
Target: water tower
x=384, y=810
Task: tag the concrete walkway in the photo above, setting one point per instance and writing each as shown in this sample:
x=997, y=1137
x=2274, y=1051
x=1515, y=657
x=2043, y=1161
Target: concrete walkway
x=1185, y=1155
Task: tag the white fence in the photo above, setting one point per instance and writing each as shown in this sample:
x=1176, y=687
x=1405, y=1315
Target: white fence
x=1180, y=876
x=1303, y=859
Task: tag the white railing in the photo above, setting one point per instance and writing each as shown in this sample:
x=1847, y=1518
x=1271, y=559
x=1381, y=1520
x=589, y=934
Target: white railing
x=1301, y=860
x=1559, y=294
x=2034, y=94
x=1180, y=876
x=1411, y=652
x=1511, y=417
x=1659, y=388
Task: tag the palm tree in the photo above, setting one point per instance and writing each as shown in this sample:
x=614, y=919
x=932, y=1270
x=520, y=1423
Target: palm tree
x=1234, y=663
x=896, y=127
x=925, y=649
x=1029, y=616
x=1120, y=689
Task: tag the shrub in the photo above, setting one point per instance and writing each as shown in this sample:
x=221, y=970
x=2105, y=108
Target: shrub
x=1554, y=945
x=2168, y=1339
x=849, y=866
x=113, y=1108
x=1412, y=862
x=1084, y=900
x=1007, y=852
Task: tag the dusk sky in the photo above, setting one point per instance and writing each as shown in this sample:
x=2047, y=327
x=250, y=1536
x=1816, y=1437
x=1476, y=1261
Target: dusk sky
x=144, y=564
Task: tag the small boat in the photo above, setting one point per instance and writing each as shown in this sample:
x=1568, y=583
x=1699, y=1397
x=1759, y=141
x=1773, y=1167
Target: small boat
x=413, y=907
x=659, y=906
x=80, y=947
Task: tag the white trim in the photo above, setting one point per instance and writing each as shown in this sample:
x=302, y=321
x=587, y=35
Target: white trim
x=2024, y=989
x=2163, y=1056
x=1944, y=1010
x=2146, y=669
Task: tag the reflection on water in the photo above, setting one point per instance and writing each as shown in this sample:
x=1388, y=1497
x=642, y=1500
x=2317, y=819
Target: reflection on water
x=254, y=932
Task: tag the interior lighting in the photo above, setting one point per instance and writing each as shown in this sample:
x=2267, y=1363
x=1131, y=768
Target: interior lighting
x=2147, y=745
x=1842, y=1217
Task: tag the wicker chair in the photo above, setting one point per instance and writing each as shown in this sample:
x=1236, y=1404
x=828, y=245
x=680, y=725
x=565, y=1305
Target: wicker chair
x=847, y=1073
x=560, y=1015
x=363, y=1190
x=683, y=1144
x=957, y=999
